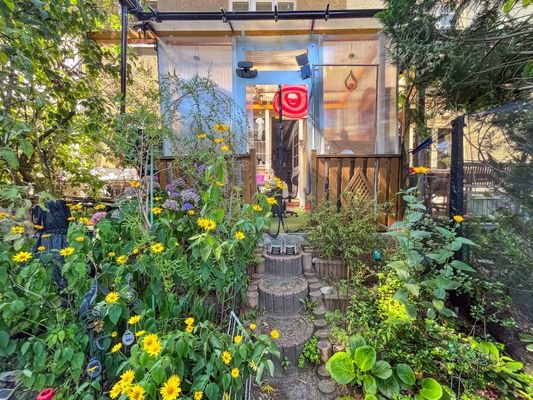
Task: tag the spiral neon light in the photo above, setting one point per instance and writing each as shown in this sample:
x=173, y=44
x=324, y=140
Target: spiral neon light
x=294, y=101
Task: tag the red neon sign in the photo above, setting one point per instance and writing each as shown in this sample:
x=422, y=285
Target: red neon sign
x=294, y=101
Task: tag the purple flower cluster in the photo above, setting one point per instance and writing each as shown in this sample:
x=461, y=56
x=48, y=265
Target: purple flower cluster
x=171, y=205
x=200, y=168
x=179, y=183
x=170, y=187
x=187, y=207
x=190, y=195
x=174, y=194
x=98, y=216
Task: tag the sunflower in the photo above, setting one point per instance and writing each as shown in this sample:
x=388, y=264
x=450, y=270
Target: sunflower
x=157, y=248
x=71, y=219
x=136, y=392
x=115, y=390
x=237, y=339
x=114, y=334
x=4, y=215
x=154, y=349
x=189, y=321
x=171, y=389
x=221, y=127
x=239, y=235
x=198, y=395
x=201, y=136
x=189, y=328
x=85, y=221
x=67, y=251
x=219, y=184
x=46, y=235
x=274, y=333
x=272, y=200
x=121, y=260
x=226, y=357
x=224, y=148
x=99, y=207
x=116, y=348
x=134, y=319
x=112, y=297
x=235, y=372
x=80, y=239
x=135, y=251
x=127, y=377
x=38, y=227
x=140, y=333
x=218, y=140
x=257, y=207
x=253, y=326
x=207, y=224
x=17, y=229
x=111, y=254
x=135, y=184
x=420, y=170
x=191, y=212
x=149, y=340
x=41, y=248
x=22, y=256
x=157, y=210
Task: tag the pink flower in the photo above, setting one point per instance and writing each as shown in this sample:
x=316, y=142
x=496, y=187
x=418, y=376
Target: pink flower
x=98, y=216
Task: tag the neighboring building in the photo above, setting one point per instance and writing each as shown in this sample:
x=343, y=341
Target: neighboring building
x=351, y=91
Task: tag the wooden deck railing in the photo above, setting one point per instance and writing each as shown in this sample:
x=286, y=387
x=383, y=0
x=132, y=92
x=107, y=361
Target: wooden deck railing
x=373, y=176
x=168, y=169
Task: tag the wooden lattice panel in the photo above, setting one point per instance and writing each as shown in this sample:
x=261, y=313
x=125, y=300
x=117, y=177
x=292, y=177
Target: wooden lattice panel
x=360, y=185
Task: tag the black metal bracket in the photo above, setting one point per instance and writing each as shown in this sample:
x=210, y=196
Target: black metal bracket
x=276, y=15
x=326, y=13
x=155, y=14
x=226, y=19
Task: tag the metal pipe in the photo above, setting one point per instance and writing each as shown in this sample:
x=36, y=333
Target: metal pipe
x=257, y=15
x=123, y=55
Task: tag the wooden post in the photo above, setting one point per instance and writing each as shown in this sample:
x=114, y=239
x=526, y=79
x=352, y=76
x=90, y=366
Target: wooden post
x=253, y=179
x=314, y=181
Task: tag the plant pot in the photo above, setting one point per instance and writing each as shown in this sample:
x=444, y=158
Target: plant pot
x=336, y=301
x=307, y=260
x=330, y=269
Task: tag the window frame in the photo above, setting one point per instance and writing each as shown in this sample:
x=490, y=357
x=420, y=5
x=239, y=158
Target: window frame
x=252, y=4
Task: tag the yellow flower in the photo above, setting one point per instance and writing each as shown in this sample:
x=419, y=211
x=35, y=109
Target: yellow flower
x=274, y=333
x=67, y=251
x=41, y=248
x=178, y=244
x=38, y=227
x=218, y=140
x=135, y=251
x=157, y=248
x=279, y=185
x=253, y=365
x=140, y=333
x=152, y=344
x=235, y=372
x=17, y=229
x=171, y=389
x=226, y=357
x=135, y=184
x=221, y=127
x=80, y=239
x=198, y=395
x=22, y=256
x=257, y=207
x=136, y=392
x=4, y=215
x=121, y=260
x=458, y=218
x=272, y=200
x=46, y=235
x=114, y=334
x=189, y=321
x=219, y=184
x=237, y=339
x=112, y=297
x=207, y=224
x=134, y=319
x=71, y=219
x=190, y=212
x=115, y=390
x=239, y=235
x=126, y=379
x=99, y=207
x=267, y=186
x=420, y=170
x=224, y=148
x=158, y=198
x=201, y=136
x=189, y=328
x=253, y=326
x=157, y=210
x=85, y=221
x=111, y=254
x=116, y=348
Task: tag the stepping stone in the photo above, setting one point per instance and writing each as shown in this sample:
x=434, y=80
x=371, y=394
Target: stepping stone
x=326, y=386
x=314, y=286
x=282, y=296
x=253, y=299
x=310, y=275
x=322, y=371
x=252, y=287
x=320, y=324
x=325, y=349
x=256, y=276
x=322, y=334
x=319, y=312
x=283, y=265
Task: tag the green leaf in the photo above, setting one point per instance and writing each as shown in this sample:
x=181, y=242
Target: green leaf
x=365, y=358
x=382, y=369
x=370, y=397
x=10, y=157
x=4, y=339
x=114, y=313
x=406, y=374
x=508, y=6
x=389, y=387
x=461, y=266
x=415, y=217
x=211, y=391
x=354, y=342
x=10, y=4
x=369, y=384
x=340, y=367
x=430, y=389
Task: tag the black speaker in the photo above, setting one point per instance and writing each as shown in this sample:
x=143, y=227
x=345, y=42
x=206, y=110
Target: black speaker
x=245, y=70
x=305, y=71
x=302, y=59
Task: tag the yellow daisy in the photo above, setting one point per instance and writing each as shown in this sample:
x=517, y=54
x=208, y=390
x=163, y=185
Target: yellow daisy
x=201, y=136
x=135, y=184
x=46, y=235
x=458, y=218
x=121, y=260
x=257, y=207
x=99, y=207
x=219, y=184
x=114, y=334
x=127, y=377
x=221, y=127
x=4, y=215
x=135, y=251
x=189, y=321
x=67, y=251
x=17, y=229
x=218, y=140
x=41, y=248
x=237, y=339
x=190, y=212
x=38, y=227
x=157, y=248
x=111, y=254
x=224, y=148
x=116, y=348
x=136, y=392
x=235, y=372
x=158, y=198
x=198, y=395
x=85, y=221
x=134, y=319
x=253, y=326
x=171, y=389
x=71, y=219
x=157, y=210
x=272, y=200
x=115, y=390
x=226, y=357
x=189, y=328
x=112, y=297
x=239, y=235
x=274, y=333
x=140, y=333
x=80, y=239
x=154, y=349
x=22, y=256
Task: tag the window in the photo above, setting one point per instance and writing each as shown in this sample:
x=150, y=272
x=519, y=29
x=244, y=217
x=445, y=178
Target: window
x=259, y=5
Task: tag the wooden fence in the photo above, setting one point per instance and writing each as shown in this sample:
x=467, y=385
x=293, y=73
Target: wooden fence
x=373, y=176
x=244, y=172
